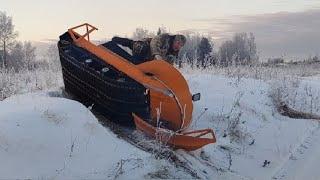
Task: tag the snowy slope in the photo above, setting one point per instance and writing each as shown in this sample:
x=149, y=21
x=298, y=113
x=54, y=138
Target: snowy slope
x=44, y=137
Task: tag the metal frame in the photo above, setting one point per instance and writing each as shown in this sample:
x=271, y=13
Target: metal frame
x=72, y=32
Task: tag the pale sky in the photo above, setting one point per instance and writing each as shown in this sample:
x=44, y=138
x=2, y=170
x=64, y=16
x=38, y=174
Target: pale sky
x=38, y=20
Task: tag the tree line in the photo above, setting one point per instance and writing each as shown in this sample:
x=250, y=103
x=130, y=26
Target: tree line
x=14, y=54
x=199, y=50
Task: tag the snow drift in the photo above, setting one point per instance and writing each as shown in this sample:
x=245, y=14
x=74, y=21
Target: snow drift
x=46, y=137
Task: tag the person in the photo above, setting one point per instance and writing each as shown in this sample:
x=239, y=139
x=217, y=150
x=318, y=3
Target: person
x=161, y=47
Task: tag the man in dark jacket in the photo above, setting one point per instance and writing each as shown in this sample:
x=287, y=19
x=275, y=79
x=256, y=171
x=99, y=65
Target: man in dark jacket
x=161, y=47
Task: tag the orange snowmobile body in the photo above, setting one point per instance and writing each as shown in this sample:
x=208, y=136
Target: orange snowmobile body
x=170, y=98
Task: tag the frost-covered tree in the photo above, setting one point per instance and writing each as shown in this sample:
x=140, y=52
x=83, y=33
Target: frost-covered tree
x=226, y=52
x=22, y=55
x=52, y=57
x=17, y=56
x=29, y=55
x=162, y=30
x=7, y=36
x=240, y=50
x=189, y=52
x=198, y=51
x=141, y=33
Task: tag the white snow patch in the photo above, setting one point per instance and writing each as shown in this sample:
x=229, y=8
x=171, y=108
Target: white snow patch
x=261, y=133
x=45, y=137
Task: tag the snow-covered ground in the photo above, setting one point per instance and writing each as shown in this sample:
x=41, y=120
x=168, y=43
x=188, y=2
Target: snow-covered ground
x=51, y=137
x=249, y=129
x=55, y=138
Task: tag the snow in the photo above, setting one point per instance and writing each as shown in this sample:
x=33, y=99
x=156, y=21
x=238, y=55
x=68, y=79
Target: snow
x=303, y=162
x=50, y=137
x=45, y=137
x=275, y=137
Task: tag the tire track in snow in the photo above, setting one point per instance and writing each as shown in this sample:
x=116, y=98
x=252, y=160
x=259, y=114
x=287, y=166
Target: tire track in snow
x=304, y=160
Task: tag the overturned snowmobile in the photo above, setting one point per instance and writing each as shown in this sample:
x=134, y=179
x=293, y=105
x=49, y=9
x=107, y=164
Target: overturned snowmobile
x=152, y=95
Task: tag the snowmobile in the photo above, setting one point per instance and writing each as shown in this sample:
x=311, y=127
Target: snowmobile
x=152, y=96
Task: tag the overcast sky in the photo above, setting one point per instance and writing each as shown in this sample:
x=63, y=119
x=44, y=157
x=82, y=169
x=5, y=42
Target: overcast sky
x=281, y=27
